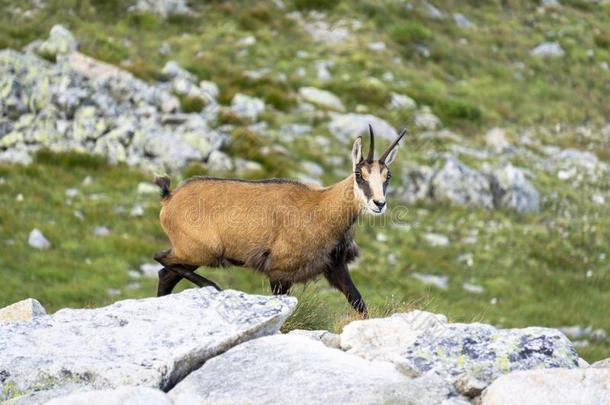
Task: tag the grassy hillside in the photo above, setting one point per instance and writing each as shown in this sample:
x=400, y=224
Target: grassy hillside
x=551, y=268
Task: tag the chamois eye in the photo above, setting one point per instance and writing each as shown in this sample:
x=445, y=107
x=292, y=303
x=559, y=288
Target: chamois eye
x=358, y=176
x=388, y=177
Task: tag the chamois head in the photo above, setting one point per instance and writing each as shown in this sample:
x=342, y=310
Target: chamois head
x=371, y=177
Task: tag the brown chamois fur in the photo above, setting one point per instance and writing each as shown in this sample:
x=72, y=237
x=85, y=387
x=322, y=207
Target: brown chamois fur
x=287, y=230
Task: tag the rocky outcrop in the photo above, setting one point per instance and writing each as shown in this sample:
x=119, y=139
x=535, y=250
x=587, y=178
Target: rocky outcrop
x=503, y=187
x=321, y=98
x=162, y=8
x=118, y=396
x=297, y=369
x=558, y=386
x=81, y=104
x=346, y=127
x=151, y=342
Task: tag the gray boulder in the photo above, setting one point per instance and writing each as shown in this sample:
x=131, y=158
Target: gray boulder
x=512, y=190
x=601, y=364
x=457, y=183
x=542, y=387
x=152, y=342
x=346, y=127
x=37, y=240
x=23, y=310
x=420, y=343
x=298, y=369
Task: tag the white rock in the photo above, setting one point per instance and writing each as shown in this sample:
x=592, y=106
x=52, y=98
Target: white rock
x=598, y=199
x=151, y=342
x=101, y=231
x=309, y=372
x=512, y=190
x=247, y=107
x=219, y=163
x=550, y=386
x=321, y=98
x=433, y=12
x=401, y=101
x=346, y=127
x=71, y=192
x=496, y=139
x=441, y=282
x=37, y=240
x=462, y=21
x=460, y=184
x=602, y=364
x=162, y=8
x=426, y=120
x=173, y=70
x=120, y=396
x=473, y=288
x=24, y=310
x=148, y=188
x=137, y=210
x=377, y=46
x=436, y=239
x=548, y=50
x=246, y=41
x=329, y=339
x=150, y=269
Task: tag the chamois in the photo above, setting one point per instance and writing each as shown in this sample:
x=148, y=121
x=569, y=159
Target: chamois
x=291, y=232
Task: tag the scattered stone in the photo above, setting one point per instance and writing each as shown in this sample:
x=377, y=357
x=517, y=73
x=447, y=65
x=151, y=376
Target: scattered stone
x=441, y=282
x=548, y=50
x=16, y=156
x=321, y=98
x=433, y=12
x=401, y=101
x=247, y=107
x=24, y=310
x=246, y=41
x=460, y=184
x=151, y=342
x=246, y=373
x=462, y=21
x=162, y=8
x=377, y=46
x=37, y=240
x=174, y=71
x=511, y=190
x=71, y=192
x=435, y=239
x=557, y=386
x=496, y=139
x=219, y=163
x=473, y=288
x=426, y=120
x=137, y=210
x=150, y=269
x=598, y=199
x=101, y=231
x=147, y=188
x=346, y=127
x=416, y=184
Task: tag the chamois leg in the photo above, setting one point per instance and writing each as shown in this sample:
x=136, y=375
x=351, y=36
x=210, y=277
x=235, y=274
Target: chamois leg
x=172, y=273
x=280, y=287
x=339, y=278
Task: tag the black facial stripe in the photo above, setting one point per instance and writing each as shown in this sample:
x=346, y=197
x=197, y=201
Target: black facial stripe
x=366, y=189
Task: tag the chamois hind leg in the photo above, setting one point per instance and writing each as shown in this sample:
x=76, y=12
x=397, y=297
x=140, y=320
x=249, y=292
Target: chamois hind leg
x=338, y=276
x=280, y=287
x=172, y=273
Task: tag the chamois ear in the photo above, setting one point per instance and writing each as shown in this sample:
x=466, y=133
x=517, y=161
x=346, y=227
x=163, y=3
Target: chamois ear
x=391, y=155
x=356, y=152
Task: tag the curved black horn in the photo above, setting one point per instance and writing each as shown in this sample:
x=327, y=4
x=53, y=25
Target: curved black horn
x=385, y=154
x=369, y=158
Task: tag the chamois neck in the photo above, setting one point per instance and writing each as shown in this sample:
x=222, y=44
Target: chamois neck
x=341, y=204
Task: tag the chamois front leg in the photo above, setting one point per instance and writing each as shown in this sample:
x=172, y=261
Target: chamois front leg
x=338, y=276
x=280, y=287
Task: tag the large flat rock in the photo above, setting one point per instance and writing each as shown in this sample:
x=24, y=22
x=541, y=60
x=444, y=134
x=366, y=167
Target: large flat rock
x=151, y=342
x=558, y=387
x=295, y=369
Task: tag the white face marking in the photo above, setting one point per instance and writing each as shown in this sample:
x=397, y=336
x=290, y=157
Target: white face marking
x=373, y=184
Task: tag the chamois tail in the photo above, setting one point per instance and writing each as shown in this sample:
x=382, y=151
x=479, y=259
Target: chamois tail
x=163, y=182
